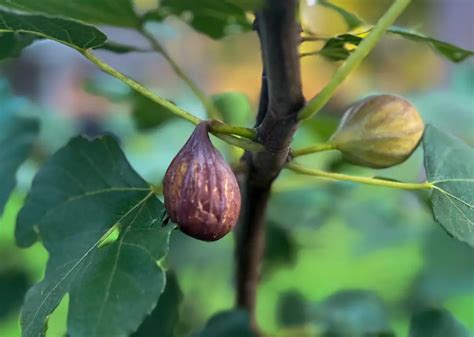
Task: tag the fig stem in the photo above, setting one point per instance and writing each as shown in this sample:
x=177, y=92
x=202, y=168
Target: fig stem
x=357, y=179
x=243, y=143
x=140, y=88
x=208, y=104
x=312, y=149
x=354, y=60
x=225, y=133
x=220, y=127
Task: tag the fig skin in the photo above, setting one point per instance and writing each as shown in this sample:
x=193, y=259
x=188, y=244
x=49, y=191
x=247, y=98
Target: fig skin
x=379, y=131
x=201, y=192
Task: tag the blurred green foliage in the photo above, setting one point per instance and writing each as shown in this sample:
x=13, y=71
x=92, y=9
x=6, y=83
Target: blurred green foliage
x=330, y=245
x=323, y=238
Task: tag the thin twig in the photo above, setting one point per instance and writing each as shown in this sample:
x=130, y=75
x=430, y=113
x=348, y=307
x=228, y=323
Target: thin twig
x=357, y=179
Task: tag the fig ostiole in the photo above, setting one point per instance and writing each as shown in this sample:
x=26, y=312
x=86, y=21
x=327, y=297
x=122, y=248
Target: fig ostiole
x=200, y=189
x=379, y=131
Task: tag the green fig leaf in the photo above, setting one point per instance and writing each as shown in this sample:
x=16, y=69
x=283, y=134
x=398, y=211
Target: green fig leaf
x=163, y=319
x=116, y=13
x=85, y=193
x=211, y=17
x=449, y=167
x=337, y=48
x=71, y=33
x=451, y=52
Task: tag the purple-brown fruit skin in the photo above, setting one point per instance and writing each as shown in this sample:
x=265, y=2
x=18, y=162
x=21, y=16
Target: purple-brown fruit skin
x=201, y=193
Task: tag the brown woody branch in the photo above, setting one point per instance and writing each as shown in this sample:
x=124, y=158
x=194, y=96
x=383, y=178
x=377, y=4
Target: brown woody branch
x=281, y=99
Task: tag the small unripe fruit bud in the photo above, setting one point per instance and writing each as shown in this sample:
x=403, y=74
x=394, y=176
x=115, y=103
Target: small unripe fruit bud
x=379, y=131
x=201, y=193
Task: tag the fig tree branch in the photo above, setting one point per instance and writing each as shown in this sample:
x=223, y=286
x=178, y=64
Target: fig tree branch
x=354, y=60
x=281, y=99
x=263, y=103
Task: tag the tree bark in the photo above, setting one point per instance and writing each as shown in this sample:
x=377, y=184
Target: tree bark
x=281, y=99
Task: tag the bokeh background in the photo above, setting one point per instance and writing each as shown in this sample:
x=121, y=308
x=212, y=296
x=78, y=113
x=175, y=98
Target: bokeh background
x=381, y=247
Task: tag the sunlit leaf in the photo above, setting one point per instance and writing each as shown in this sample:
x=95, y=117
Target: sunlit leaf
x=117, y=12
x=339, y=48
x=83, y=193
x=448, y=50
x=436, y=323
x=449, y=167
x=71, y=33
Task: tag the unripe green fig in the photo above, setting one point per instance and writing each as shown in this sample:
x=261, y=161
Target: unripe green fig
x=379, y=131
x=201, y=192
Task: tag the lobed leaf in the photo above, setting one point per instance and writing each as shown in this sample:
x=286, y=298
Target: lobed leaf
x=84, y=193
x=449, y=165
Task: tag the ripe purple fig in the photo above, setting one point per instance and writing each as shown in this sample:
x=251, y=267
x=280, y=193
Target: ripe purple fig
x=201, y=193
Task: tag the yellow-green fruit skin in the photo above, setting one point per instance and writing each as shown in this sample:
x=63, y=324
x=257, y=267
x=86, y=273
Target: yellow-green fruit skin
x=379, y=131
